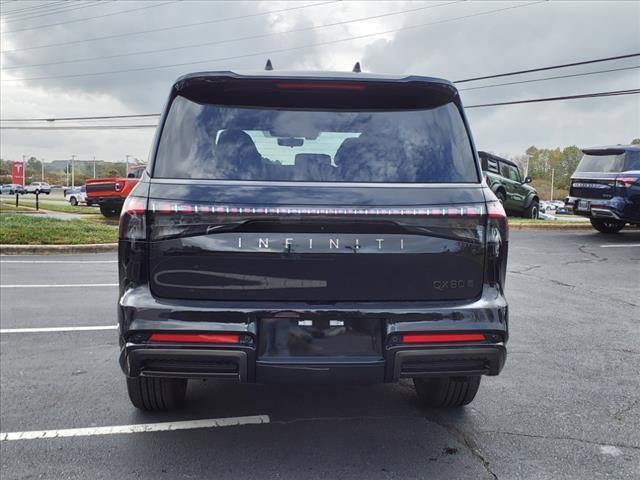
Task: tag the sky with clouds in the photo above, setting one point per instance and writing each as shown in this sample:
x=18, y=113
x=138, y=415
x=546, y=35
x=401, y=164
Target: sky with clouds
x=131, y=70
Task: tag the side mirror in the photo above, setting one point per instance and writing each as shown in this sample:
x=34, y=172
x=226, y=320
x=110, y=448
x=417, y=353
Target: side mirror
x=528, y=180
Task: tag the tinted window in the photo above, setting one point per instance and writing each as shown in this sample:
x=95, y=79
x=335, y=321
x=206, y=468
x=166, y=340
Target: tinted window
x=632, y=161
x=214, y=142
x=510, y=172
x=492, y=166
x=601, y=163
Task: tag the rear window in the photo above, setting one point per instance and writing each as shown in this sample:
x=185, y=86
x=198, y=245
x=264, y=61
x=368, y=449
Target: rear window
x=203, y=141
x=609, y=163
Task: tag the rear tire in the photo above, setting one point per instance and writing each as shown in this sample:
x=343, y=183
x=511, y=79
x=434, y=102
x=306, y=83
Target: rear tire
x=532, y=211
x=109, y=211
x=446, y=392
x=150, y=393
x=607, y=227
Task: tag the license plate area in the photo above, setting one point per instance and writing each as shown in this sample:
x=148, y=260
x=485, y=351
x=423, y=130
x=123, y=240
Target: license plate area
x=319, y=337
x=583, y=206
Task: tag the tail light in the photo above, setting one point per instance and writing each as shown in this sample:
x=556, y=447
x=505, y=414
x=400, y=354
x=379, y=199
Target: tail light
x=626, y=181
x=497, y=238
x=133, y=225
x=443, y=338
x=195, y=338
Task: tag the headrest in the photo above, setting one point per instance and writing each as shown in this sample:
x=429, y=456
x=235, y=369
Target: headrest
x=346, y=150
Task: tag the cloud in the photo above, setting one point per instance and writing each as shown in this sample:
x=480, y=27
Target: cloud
x=524, y=37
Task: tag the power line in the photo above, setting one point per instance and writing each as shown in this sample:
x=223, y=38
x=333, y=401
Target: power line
x=555, y=99
x=279, y=50
x=146, y=7
x=149, y=115
x=33, y=7
x=549, y=78
x=238, y=39
x=574, y=64
x=83, y=127
x=497, y=104
x=174, y=27
x=103, y=117
x=55, y=11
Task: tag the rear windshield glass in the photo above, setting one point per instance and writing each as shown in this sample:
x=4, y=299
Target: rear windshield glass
x=227, y=143
x=601, y=163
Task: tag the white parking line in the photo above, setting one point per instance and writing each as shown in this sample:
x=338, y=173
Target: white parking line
x=57, y=329
x=58, y=261
x=621, y=245
x=138, y=428
x=68, y=285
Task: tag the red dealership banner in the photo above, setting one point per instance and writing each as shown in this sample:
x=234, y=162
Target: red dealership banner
x=17, y=173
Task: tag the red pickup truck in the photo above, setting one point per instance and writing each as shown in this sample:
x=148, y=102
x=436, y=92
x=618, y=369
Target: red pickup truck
x=110, y=193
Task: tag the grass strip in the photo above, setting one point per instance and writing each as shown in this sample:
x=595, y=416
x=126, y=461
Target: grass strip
x=20, y=229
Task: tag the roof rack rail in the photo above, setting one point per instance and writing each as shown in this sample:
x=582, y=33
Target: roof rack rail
x=269, y=65
x=356, y=68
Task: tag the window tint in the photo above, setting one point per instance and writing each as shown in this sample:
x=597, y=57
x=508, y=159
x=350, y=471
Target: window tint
x=601, y=163
x=215, y=142
x=632, y=161
x=492, y=166
x=510, y=172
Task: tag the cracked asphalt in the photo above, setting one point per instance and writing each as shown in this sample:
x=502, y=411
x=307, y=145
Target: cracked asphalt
x=566, y=405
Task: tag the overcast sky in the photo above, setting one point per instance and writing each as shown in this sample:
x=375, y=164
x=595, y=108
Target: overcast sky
x=442, y=44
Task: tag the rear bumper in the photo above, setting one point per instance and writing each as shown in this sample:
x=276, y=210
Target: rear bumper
x=616, y=208
x=111, y=201
x=141, y=314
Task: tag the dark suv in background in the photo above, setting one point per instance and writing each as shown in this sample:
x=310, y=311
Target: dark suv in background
x=606, y=187
x=312, y=228
x=504, y=179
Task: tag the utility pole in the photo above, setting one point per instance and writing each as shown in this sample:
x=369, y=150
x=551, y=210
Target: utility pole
x=127, y=171
x=42, y=165
x=94, y=166
x=73, y=171
x=24, y=169
x=552, y=174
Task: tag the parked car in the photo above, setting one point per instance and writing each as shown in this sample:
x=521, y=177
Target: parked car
x=260, y=264
x=504, y=179
x=606, y=187
x=77, y=196
x=38, y=187
x=109, y=193
x=12, y=189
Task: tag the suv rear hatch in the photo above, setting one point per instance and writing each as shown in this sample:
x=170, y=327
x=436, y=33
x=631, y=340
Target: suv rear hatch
x=602, y=173
x=349, y=190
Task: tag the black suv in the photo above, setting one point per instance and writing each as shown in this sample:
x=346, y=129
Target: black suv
x=606, y=187
x=312, y=228
x=504, y=179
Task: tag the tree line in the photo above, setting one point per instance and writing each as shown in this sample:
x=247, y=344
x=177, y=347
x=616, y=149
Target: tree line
x=59, y=172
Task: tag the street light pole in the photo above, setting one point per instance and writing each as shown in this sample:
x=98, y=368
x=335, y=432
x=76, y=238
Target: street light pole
x=552, y=174
x=42, y=167
x=24, y=169
x=94, y=166
x=73, y=171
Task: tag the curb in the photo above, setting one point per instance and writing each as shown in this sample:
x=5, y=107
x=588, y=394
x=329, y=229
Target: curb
x=551, y=226
x=55, y=249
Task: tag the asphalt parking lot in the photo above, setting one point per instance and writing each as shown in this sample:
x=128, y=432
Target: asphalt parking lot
x=567, y=404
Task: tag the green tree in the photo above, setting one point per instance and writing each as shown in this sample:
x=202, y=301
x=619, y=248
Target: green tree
x=635, y=141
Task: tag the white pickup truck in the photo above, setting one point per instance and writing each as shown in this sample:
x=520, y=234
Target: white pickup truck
x=77, y=196
x=38, y=187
